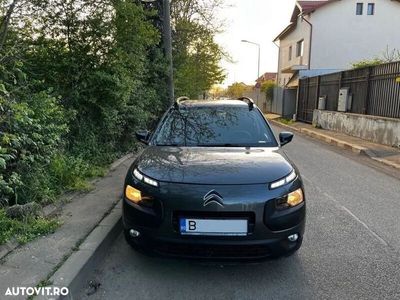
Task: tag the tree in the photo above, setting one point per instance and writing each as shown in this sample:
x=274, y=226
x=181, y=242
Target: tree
x=268, y=87
x=76, y=78
x=238, y=89
x=196, y=54
x=217, y=91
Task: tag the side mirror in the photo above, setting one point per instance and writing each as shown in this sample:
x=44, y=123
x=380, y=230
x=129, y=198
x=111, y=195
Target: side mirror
x=285, y=137
x=143, y=136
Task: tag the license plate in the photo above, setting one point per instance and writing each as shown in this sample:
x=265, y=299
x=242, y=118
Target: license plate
x=213, y=227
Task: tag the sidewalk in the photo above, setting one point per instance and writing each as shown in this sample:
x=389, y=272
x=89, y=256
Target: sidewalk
x=387, y=155
x=33, y=263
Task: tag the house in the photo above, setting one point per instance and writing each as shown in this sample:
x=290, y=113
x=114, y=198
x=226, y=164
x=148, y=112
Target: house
x=268, y=76
x=328, y=36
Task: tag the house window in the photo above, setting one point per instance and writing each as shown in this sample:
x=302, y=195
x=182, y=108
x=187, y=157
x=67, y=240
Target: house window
x=359, y=9
x=290, y=53
x=371, y=9
x=300, y=48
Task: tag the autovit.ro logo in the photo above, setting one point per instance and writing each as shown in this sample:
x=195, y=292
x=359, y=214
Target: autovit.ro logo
x=37, y=291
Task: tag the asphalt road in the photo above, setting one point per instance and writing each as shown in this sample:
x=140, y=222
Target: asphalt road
x=351, y=249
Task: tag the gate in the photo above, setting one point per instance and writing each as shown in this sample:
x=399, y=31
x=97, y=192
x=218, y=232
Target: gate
x=308, y=98
x=373, y=91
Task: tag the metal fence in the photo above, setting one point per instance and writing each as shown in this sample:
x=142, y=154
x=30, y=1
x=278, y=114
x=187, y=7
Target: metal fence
x=373, y=90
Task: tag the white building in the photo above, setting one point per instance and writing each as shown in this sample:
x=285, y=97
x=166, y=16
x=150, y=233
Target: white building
x=328, y=36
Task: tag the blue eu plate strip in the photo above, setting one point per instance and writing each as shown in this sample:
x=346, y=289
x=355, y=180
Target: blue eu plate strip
x=182, y=223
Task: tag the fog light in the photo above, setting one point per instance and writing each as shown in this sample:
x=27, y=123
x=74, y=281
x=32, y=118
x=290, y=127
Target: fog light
x=134, y=233
x=293, y=237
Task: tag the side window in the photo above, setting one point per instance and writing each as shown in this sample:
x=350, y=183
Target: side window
x=371, y=9
x=290, y=53
x=359, y=9
x=300, y=48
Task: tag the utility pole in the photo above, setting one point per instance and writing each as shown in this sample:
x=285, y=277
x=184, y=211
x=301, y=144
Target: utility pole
x=258, y=63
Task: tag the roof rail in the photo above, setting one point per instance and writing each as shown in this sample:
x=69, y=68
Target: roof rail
x=179, y=100
x=249, y=101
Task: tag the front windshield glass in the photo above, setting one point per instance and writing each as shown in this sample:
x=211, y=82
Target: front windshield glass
x=229, y=126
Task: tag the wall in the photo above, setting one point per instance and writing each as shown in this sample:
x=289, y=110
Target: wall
x=302, y=31
x=340, y=37
x=289, y=104
x=277, y=102
x=376, y=129
x=262, y=101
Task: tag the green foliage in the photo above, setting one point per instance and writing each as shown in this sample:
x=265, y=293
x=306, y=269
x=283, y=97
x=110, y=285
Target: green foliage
x=77, y=78
x=367, y=63
x=26, y=230
x=238, y=89
x=31, y=126
x=71, y=172
x=285, y=121
x=388, y=56
x=196, y=54
x=268, y=87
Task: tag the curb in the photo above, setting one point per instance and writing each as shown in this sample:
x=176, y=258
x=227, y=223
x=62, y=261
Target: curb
x=74, y=272
x=337, y=142
x=120, y=161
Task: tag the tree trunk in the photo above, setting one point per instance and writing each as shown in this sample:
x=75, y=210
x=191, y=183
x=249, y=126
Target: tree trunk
x=5, y=23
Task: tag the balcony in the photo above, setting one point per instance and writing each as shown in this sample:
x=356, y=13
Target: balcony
x=295, y=64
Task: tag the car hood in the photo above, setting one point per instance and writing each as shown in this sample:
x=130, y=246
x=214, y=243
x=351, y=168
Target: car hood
x=213, y=165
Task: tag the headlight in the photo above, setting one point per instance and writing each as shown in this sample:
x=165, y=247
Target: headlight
x=295, y=198
x=290, y=200
x=138, y=197
x=133, y=194
x=139, y=176
x=283, y=181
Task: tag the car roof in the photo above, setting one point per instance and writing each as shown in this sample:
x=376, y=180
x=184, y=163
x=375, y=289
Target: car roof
x=213, y=103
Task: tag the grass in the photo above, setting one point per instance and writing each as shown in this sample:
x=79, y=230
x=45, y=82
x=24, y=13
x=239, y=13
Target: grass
x=26, y=230
x=65, y=173
x=285, y=121
x=73, y=173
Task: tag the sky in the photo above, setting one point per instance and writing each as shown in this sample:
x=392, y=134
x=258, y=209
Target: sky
x=259, y=21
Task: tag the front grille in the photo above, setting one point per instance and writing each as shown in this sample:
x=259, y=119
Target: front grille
x=249, y=216
x=213, y=251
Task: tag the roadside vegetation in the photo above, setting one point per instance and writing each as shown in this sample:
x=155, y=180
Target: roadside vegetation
x=240, y=89
x=285, y=121
x=386, y=57
x=77, y=78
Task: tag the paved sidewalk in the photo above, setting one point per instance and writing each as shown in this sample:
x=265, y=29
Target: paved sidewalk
x=387, y=155
x=34, y=262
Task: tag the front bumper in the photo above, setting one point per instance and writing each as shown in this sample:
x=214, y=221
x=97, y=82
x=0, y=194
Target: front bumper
x=268, y=228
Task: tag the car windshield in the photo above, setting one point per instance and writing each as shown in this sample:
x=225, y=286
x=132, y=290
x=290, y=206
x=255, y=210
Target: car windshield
x=228, y=126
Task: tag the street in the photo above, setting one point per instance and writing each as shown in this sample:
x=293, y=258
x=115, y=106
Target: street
x=351, y=248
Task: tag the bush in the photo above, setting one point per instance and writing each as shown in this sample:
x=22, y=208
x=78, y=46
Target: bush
x=30, y=134
x=69, y=103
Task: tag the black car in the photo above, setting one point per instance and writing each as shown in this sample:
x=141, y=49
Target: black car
x=212, y=182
